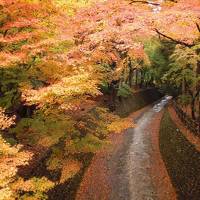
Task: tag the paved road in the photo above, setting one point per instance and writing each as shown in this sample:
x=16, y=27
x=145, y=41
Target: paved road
x=125, y=172
x=131, y=166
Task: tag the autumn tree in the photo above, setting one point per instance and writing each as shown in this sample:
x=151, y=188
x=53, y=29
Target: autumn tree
x=182, y=68
x=57, y=58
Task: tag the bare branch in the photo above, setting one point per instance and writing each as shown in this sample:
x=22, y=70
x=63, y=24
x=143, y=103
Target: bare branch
x=173, y=40
x=198, y=27
x=149, y=2
x=145, y=2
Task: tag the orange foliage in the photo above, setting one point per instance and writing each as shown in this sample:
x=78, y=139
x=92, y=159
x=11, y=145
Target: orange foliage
x=69, y=169
x=70, y=57
x=5, y=121
x=180, y=20
x=10, y=159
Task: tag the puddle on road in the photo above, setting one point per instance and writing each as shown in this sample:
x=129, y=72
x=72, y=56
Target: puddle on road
x=159, y=106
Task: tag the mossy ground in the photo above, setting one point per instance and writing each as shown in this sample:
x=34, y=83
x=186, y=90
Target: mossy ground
x=181, y=159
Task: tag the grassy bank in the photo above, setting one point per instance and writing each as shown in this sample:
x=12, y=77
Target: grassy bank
x=181, y=159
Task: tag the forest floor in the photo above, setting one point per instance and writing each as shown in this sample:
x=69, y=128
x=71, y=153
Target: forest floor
x=132, y=167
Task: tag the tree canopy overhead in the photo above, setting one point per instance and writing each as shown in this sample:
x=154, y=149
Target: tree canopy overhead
x=59, y=59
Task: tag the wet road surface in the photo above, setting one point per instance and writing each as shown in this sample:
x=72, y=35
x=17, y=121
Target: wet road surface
x=131, y=179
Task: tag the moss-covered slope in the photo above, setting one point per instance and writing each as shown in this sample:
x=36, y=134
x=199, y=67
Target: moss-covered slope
x=182, y=160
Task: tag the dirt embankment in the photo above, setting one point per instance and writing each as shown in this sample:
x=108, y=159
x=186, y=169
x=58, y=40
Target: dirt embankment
x=181, y=156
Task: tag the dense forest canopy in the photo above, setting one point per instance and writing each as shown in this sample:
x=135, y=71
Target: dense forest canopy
x=59, y=57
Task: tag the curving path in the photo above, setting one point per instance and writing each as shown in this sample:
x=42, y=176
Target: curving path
x=139, y=162
x=133, y=170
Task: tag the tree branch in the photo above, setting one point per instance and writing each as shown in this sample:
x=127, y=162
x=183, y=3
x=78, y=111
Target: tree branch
x=145, y=2
x=174, y=1
x=150, y=2
x=198, y=27
x=5, y=33
x=173, y=40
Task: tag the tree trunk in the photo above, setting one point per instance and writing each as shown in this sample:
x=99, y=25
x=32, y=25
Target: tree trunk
x=199, y=105
x=136, y=77
x=113, y=92
x=142, y=79
x=193, y=108
x=183, y=86
x=130, y=77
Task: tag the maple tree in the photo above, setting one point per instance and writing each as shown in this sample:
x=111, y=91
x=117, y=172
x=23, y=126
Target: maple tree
x=57, y=58
x=181, y=68
x=184, y=73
